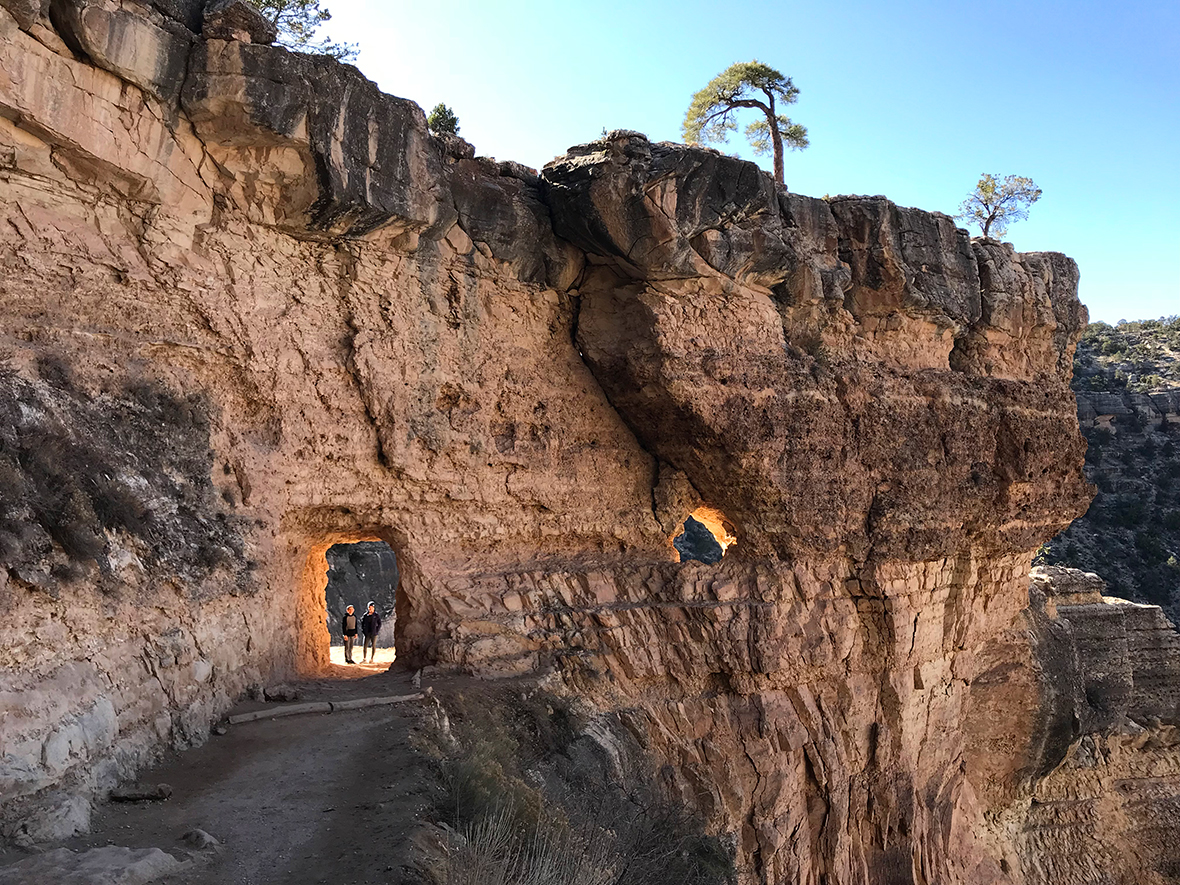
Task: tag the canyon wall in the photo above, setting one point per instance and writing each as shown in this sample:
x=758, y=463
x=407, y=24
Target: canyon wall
x=1131, y=533
x=252, y=309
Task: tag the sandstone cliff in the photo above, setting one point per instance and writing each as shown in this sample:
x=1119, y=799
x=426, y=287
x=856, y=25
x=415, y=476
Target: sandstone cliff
x=524, y=383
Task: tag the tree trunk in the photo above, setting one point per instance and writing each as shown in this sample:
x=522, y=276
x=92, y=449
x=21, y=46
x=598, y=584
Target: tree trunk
x=776, y=139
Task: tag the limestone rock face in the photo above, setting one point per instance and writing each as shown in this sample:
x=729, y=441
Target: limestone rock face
x=524, y=384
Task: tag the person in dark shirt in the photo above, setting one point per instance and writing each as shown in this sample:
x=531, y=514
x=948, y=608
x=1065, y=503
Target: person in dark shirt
x=370, y=626
x=349, y=628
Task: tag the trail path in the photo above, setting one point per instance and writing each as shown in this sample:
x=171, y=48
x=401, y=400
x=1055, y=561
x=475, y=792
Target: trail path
x=320, y=798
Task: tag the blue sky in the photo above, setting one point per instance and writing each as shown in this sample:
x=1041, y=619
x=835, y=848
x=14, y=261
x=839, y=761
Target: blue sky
x=912, y=100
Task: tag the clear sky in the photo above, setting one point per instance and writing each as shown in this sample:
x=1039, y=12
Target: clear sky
x=910, y=99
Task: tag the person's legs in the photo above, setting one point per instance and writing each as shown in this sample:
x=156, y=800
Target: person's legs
x=348, y=640
x=370, y=648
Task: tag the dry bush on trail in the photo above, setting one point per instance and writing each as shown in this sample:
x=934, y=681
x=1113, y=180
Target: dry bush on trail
x=492, y=852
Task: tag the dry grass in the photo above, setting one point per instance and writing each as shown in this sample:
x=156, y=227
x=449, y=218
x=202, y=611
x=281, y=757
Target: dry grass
x=521, y=785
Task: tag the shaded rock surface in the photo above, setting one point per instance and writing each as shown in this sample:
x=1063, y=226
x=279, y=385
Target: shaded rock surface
x=524, y=384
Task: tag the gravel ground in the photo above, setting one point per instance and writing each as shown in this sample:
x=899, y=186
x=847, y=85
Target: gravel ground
x=327, y=798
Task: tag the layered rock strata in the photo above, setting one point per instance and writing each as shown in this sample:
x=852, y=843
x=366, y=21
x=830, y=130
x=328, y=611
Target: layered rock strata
x=524, y=383
x=1107, y=812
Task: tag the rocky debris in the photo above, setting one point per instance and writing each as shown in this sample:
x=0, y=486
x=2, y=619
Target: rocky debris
x=237, y=20
x=141, y=793
x=200, y=840
x=111, y=865
x=281, y=693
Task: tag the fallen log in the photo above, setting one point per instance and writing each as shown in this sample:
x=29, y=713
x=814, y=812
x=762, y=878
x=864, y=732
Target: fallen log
x=321, y=707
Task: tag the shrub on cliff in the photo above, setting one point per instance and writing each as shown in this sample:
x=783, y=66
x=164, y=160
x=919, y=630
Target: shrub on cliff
x=996, y=203
x=297, y=22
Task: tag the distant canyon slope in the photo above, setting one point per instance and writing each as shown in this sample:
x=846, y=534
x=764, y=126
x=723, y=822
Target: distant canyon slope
x=1127, y=380
x=252, y=309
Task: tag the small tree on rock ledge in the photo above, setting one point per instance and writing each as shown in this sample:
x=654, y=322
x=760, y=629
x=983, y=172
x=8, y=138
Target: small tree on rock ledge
x=754, y=85
x=994, y=204
x=442, y=120
x=297, y=22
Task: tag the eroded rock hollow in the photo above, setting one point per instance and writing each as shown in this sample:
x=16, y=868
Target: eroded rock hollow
x=252, y=309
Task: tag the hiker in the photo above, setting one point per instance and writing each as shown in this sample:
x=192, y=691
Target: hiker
x=370, y=626
x=348, y=628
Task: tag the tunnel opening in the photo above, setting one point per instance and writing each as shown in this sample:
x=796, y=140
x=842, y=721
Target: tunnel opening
x=705, y=536
x=340, y=570
x=364, y=575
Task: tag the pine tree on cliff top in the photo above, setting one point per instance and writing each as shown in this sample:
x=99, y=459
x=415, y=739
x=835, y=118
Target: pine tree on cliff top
x=751, y=84
x=442, y=120
x=297, y=22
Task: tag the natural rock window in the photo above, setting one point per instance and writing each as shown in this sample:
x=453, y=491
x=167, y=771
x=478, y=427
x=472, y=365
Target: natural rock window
x=706, y=536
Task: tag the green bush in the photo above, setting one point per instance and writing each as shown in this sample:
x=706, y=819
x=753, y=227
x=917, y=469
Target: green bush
x=1150, y=547
x=1125, y=511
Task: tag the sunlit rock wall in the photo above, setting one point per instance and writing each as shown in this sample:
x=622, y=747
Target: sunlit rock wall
x=524, y=383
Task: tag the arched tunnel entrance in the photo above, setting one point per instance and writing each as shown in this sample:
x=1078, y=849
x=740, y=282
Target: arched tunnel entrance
x=340, y=570
x=363, y=575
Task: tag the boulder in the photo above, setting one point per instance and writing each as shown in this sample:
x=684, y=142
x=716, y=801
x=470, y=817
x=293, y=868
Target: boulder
x=237, y=20
x=112, y=865
x=151, y=54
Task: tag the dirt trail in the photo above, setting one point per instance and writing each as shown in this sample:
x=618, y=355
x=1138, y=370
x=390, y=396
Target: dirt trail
x=326, y=798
